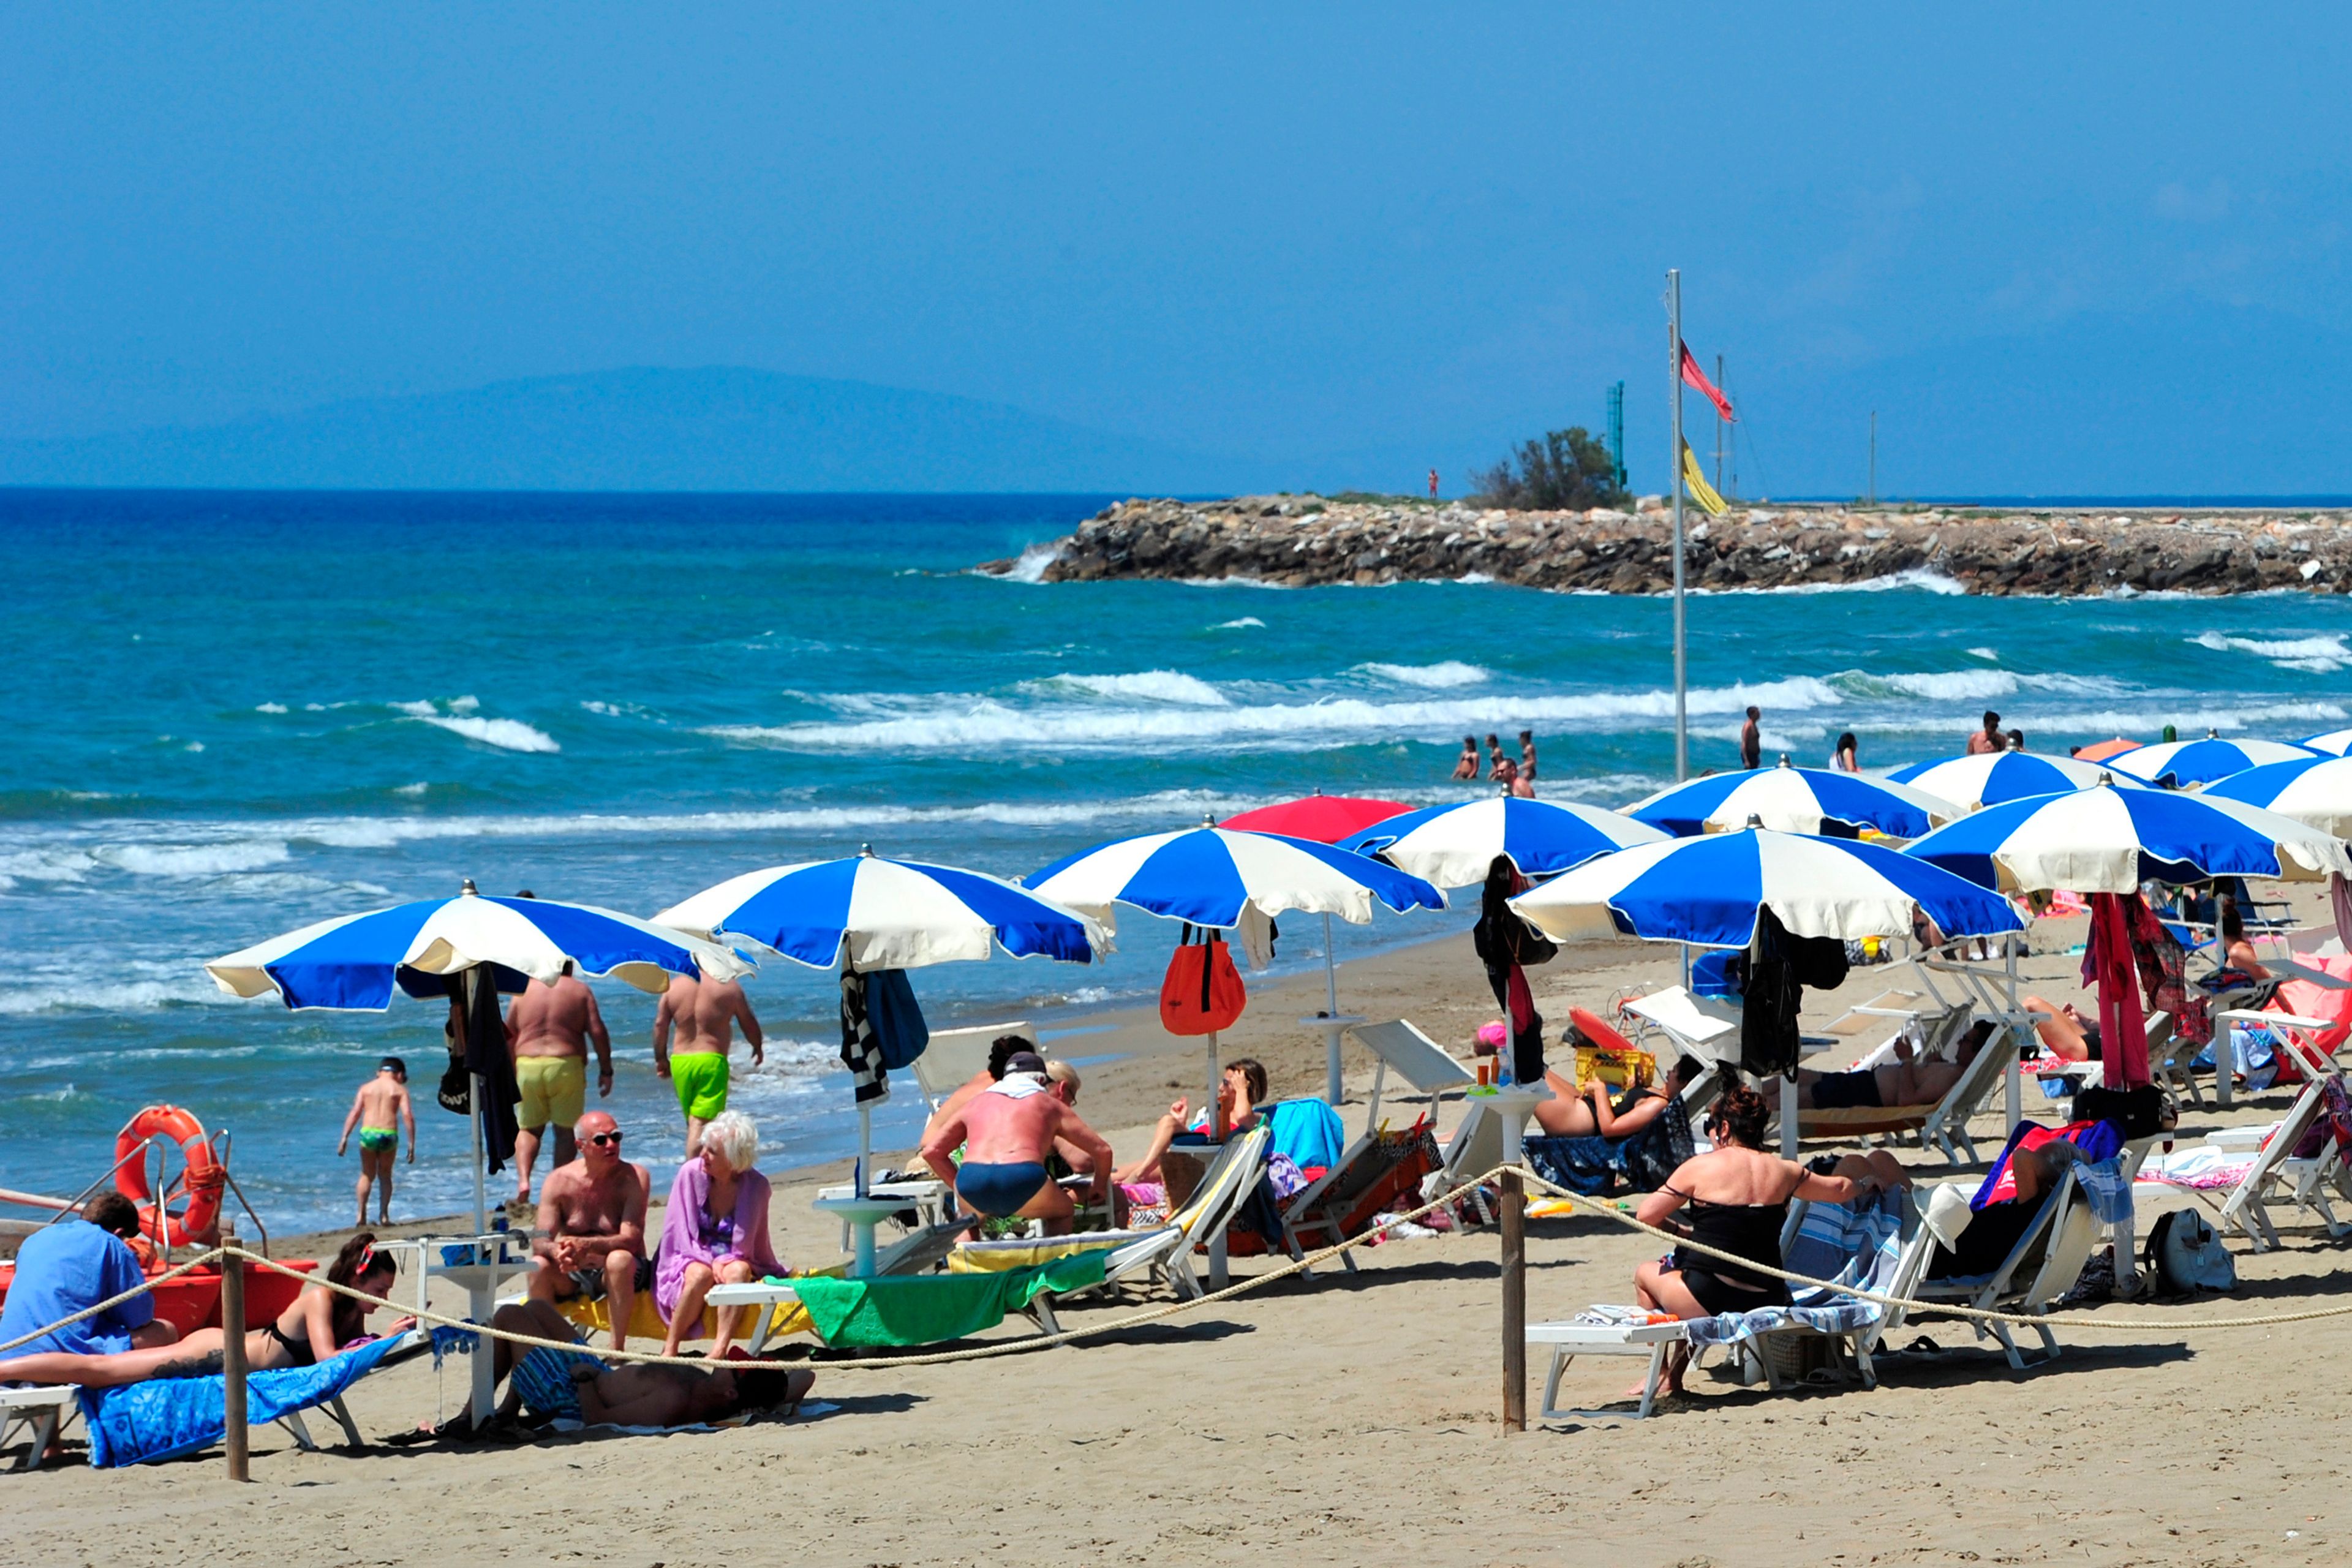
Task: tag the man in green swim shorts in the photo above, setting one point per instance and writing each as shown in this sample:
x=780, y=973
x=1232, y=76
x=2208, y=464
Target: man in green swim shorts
x=380, y=1109
x=694, y=1030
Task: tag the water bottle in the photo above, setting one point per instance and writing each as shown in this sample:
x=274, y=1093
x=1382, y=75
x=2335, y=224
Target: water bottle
x=1503, y=1054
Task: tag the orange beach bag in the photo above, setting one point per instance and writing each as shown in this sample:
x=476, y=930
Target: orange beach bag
x=1202, y=991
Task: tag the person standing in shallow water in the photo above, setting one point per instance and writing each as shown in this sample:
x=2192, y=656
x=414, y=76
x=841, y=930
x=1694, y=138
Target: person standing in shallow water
x=1847, y=758
x=379, y=1111
x=1751, y=739
x=1466, y=766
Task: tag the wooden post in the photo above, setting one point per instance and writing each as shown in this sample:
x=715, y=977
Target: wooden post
x=233, y=1357
x=1515, y=1302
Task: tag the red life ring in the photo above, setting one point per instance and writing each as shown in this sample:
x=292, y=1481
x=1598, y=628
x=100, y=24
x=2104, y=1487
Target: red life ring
x=204, y=1180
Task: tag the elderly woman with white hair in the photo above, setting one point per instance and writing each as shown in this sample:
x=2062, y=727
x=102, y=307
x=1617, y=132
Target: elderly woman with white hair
x=715, y=1231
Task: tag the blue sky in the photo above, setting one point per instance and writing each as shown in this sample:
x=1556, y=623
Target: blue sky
x=2083, y=248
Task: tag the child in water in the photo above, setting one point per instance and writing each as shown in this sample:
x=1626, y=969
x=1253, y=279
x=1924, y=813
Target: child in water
x=380, y=1109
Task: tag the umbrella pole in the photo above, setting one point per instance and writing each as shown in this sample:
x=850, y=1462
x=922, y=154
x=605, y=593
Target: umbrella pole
x=865, y=1146
x=1331, y=1011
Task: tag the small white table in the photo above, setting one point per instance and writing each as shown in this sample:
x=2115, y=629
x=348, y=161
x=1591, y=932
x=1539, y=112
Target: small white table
x=861, y=1215
x=927, y=1196
x=480, y=1281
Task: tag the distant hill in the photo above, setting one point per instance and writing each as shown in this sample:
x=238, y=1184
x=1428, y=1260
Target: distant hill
x=637, y=429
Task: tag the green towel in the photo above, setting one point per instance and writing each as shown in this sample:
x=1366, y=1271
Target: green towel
x=930, y=1308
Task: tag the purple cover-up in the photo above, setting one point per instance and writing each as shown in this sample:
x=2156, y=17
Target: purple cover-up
x=688, y=1235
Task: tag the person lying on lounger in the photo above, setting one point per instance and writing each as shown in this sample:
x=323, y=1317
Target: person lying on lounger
x=1994, y=1231
x=2065, y=1033
x=319, y=1324
x=1737, y=1195
x=553, y=1385
x=1902, y=1081
x=1589, y=1113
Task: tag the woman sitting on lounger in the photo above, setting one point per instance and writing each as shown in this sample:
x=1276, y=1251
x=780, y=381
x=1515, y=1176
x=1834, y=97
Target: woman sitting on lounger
x=1589, y=1113
x=1902, y=1081
x=1242, y=1087
x=1739, y=1199
x=714, y=1231
x=319, y=1322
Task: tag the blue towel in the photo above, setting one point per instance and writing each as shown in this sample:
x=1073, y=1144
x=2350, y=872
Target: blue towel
x=898, y=1026
x=166, y=1417
x=1308, y=1131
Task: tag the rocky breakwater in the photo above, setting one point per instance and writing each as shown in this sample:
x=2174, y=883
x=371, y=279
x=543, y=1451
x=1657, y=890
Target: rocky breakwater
x=1306, y=542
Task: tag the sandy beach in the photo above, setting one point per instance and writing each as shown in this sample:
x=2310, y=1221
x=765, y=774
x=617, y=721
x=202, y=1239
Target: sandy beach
x=1351, y=1418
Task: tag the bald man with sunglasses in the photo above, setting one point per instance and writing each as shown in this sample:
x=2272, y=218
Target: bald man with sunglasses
x=591, y=1241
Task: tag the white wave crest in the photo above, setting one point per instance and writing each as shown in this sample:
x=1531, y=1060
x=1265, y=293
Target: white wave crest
x=1148, y=686
x=1237, y=626
x=1918, y=578
x=507, y=734
x=973, y=722
x=197, y=859
x=269, y=708
x=1441, y=675
x=2320, y=655
x=1031, y=567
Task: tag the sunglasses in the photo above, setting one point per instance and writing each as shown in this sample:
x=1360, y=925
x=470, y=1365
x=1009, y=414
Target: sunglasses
x=605, y=1140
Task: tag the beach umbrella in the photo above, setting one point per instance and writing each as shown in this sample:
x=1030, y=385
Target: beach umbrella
x=866, y=913
x=2107, y=839
x=2316, y=791
x=2334, y=744
x=1989, y=778
x=1706, y=891
x=1325, y=818
x=1789, y=799
x=470, y=948
x=2180, y=765
x=1452, y=846
x=2100, y=751
x=1220, y=877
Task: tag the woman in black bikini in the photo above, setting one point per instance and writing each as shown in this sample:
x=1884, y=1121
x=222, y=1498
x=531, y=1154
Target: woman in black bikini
x=1738, y=1198
x=319, y=1322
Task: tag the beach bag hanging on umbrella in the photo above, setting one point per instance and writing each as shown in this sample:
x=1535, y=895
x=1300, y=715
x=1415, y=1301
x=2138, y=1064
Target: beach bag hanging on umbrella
x=1202, y=991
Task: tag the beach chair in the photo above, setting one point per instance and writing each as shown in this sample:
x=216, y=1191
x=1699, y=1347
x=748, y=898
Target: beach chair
x=953, y=1056
x=1163, y=1252
x=2247, y=1205
x=47, y=1409
x=1378, y=1170
x=1943, y=1125
x=1417, y=1059
x=1704, y=1029
x=2041, y=1266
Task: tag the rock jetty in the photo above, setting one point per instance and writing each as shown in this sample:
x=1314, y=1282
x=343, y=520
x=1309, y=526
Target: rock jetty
x=1305, y=541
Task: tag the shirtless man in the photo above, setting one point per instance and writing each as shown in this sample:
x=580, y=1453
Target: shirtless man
x=694, y=1030
x=1901, y=1081
x=591, y=1228
x=548, y=1031
x=1990, y=737
x=1001, y=1050
x=1006, y=1131
x=1751, y=740
x=380, y=1109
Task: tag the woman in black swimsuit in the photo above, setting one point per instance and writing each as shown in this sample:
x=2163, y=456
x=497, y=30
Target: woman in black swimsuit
x=319, y=1324
x=1738, y=1198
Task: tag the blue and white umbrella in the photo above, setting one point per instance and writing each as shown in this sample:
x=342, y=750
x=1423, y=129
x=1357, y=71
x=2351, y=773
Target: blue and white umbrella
x=1452, y=846
x=1707, y=891
x=2110, y=840
x=2334, y=744
x=1223, y=877
x=1789, y=799
x=2314, y=790
x=2179, y=764
x=892, y=914
x=1990, y=778
x=353, y=961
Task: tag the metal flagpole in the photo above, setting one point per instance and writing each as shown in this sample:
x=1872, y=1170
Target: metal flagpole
x=1675, y=374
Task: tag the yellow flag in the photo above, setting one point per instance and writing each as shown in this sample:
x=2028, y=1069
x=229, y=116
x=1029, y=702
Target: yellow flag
x=1695, y=482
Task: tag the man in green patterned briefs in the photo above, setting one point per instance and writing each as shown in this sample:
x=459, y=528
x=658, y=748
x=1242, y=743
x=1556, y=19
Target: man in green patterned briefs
x=694, y=1030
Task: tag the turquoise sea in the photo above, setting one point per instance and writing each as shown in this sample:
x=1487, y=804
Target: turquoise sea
x=231, y=714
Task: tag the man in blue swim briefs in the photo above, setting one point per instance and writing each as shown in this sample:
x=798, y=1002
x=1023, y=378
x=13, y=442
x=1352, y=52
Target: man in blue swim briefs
x=1006, y=1131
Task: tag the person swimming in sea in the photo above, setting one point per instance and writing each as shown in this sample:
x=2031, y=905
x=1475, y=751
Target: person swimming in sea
x=380, y=1109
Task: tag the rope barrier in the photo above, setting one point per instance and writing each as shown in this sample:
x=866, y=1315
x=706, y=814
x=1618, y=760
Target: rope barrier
x=2100, y=1324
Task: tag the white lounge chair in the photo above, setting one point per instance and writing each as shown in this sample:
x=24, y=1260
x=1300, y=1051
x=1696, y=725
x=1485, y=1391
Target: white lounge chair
x=2246, y=1207
x=1164, y=1252
x=2041, y=1266
x=46, y=1408
x=1417, y=1059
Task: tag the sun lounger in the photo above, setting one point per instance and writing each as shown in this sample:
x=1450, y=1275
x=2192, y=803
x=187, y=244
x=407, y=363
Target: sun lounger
x=2246, y=1207
x=2041, y=1266
x=1417, y=1059
x=916, y=1253
x=47, y=1409
x=1943, y=1125
x=1378, y=1168
x=1704, y=1029
x=1164, y=1252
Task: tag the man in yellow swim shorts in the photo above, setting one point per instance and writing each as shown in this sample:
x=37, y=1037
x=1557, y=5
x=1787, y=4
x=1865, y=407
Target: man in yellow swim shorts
x=548, y=1031
x=694, y=1030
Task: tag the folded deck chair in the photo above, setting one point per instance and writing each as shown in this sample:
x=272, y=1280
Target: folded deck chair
x=2247, y=1205
x=1418, y=1059
x=952, y=1058
x=2039, y=1268
x=1379, y=1170
x=1164, y=1252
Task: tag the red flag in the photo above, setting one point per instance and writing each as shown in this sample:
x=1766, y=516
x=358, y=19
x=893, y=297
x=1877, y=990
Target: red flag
x=1704, y=387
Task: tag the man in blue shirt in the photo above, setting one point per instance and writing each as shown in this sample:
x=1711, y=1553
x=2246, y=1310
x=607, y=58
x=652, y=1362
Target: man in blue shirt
x=72, y=1266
